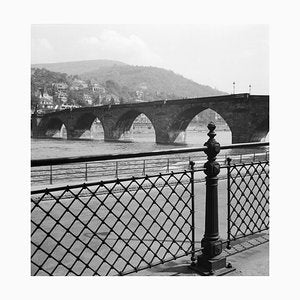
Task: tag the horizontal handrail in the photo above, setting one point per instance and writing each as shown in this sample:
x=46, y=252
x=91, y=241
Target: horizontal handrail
x=244, y=164
x=103, y=182
x=77, y=159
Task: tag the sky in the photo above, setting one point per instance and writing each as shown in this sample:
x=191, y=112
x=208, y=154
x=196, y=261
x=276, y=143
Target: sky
x=214, y=55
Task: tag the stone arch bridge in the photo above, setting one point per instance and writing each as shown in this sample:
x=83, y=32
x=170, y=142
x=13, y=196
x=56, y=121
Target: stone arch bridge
x=246, y=115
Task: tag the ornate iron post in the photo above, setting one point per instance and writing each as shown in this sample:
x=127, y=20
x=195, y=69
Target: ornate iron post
x=211, y=243
x=211, y=261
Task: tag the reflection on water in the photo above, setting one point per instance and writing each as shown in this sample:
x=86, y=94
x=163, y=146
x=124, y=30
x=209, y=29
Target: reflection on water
x=138, y=142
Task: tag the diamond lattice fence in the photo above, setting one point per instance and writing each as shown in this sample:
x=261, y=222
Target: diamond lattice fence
x=248, y=203
x=114, y=227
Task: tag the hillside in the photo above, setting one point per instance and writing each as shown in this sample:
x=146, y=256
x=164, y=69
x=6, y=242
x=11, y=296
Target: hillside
x=156, y=83
x=78, y=67
x=151, y=80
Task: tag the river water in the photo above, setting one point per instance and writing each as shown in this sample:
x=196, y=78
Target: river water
x=139, y=140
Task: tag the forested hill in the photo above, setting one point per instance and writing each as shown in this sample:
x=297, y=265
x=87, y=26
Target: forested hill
x=78, y=67
x=151, y=79
x=156, y=83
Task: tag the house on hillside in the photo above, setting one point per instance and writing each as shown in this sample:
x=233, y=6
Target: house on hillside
x=62, y=97
x=45, y=100
x=88, y=99
x=110, y=99
x=140, y=96
x=78, y=85
x=60, y=87
x=46, y=104
x=67, y=106
x=97, y=88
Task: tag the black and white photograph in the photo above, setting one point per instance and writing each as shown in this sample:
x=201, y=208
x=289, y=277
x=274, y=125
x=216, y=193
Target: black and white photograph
x=149, y=150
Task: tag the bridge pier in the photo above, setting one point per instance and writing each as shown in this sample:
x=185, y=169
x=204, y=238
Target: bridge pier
x=248, y=134
x=76, y=134
x=111, y=135
x=35, y=128
x=162, y=137
x=241, y=137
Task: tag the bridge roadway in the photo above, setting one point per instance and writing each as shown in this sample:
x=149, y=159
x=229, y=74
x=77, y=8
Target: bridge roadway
x=246, y=115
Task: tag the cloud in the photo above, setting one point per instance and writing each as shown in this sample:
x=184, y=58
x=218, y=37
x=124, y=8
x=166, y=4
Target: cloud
x=112, y=45
x=41, y=50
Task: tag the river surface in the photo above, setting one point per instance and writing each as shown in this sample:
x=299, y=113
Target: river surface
x=137, y=141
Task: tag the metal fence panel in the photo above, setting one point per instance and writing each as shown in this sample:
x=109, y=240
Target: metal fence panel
x=248, y=199
x=112, y=227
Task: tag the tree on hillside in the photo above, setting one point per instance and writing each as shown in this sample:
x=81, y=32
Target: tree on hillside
x=112, y=87
x=95, y=98
x=112, y=101
x=34, y=100
x=77, y=97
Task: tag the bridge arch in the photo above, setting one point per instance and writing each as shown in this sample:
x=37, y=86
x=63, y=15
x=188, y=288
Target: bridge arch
x=181, y=122
x=83, y=125
x=126, y=121
x=53, y=127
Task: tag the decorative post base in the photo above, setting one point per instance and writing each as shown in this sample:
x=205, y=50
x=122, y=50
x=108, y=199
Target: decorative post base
x=215, y=266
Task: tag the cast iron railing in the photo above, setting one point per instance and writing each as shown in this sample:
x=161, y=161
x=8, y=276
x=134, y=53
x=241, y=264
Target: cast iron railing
x=123, y=225
x=247, y=199
x=87, y=171
x=137, y=223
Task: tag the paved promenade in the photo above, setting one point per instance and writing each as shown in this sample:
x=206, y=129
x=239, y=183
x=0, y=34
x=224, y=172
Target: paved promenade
x=251, y=262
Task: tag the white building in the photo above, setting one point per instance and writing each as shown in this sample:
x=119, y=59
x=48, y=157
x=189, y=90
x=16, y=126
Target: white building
x=88, y=99
x=45, y=100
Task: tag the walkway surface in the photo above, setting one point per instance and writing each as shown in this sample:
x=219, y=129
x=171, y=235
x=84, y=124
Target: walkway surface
x=250, y=258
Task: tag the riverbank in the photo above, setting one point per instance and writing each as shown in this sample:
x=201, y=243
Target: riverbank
x=50, y=148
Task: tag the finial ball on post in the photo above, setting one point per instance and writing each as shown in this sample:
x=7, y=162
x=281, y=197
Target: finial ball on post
x=213, y=147
x=211, y=126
